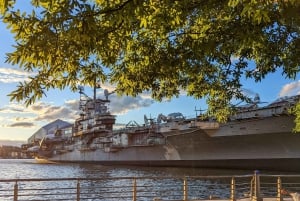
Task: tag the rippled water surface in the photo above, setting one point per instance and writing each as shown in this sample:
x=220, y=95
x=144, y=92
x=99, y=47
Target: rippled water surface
x=115, y=182
x=12, y=169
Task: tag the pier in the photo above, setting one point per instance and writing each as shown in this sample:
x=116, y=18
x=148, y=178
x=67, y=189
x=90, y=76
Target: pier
x=256, y=187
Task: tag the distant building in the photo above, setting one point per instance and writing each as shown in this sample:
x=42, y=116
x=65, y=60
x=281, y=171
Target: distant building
x=11, y=152
x=50, y=130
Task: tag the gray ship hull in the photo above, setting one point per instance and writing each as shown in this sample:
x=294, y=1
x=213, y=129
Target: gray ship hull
x=257, y=144
x=279, y=164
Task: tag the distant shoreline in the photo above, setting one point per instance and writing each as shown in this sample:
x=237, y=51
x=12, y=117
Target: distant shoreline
x=17, y=143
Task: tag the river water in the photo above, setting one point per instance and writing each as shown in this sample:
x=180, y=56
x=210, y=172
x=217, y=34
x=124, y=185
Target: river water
x=29, y=169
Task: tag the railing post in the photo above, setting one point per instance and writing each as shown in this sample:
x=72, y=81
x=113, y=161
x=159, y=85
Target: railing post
x=185, y=190
x=134, y=190
x=78, y=190
x=256, y=196
x=232, y=194
x=16, y=191
x=279, y=196
x=251, y=187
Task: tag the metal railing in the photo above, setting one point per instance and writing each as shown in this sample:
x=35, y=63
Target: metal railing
x=254, y=187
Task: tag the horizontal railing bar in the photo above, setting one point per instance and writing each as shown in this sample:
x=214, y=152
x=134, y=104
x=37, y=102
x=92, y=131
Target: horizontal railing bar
x=244, y=188
x=46, y=190
x=268, y=183
x=212, y=184
x=240, y=184
x=105, y=192
x=35, y=194
x=157, y=185
x=292, y=183
x=84, y=194
x=105, y=187
x=222, y=176
x=29, y=189
x=122, y=178
x=48, y=199
x=38, y=194
x=101, y=197
x=61, y=199
x=162, y=187
x=279, y=175
x=84, y=185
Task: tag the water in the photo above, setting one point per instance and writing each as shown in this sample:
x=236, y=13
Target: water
x=28, y=168
x=112, y=184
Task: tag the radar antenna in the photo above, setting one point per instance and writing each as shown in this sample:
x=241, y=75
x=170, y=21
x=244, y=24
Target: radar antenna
x=81, y=89
x=82, y=99
x=198, y=110
x=161, y=118
x=256, y=100
x=251, y=103
x=106, y=93
x=146, y=120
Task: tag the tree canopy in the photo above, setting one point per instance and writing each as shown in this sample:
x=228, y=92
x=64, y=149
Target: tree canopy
x=163, y=46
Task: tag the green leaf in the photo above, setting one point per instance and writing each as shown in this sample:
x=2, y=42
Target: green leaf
x=157, y=46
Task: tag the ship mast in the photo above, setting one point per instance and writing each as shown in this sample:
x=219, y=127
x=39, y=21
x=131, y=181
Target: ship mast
x=95, y=88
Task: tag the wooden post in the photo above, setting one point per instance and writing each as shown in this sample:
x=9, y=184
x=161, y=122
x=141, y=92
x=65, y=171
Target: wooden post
x=78, y=190
x=256, y=196
x=279, y=196
x=232, y=194
x=134, y=190
x=16, y=191
x=185, y=193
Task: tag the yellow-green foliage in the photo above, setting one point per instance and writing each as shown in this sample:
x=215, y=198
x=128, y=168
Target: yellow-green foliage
x=296, y=111
x=162, y=46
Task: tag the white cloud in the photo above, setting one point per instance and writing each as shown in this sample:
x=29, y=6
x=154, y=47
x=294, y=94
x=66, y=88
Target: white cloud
x=290, y=89
x=11, y=75
x=22, y=124
x=234, y=59
x=17, y=115
x=41, y=113
x=248, y=92
x=57, y=112
x=17, y=121
x=72, y=104
x=49, y=112
x=108, y=86
x=12, y=108
x=121, y=105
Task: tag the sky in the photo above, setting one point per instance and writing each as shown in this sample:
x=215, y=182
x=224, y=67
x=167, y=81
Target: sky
x=18, y=122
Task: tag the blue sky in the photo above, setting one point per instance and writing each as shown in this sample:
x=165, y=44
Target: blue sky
x=19, y=123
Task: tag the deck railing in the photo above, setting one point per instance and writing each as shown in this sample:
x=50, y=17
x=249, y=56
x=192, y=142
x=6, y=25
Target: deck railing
x=254, y=187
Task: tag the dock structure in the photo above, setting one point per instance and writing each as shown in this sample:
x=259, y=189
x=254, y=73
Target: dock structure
x=256, y=187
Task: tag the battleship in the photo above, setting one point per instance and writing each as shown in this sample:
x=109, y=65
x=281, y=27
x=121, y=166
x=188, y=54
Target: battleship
x=255, y=137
